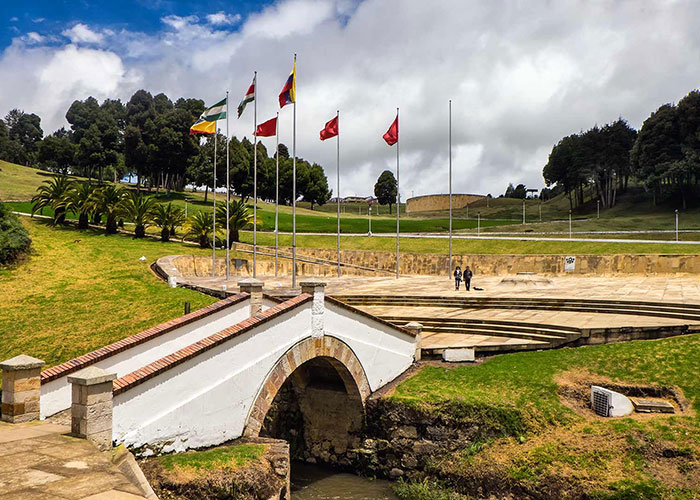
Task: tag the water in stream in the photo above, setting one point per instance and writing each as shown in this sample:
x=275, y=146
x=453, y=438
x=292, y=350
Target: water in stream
x=310, y=482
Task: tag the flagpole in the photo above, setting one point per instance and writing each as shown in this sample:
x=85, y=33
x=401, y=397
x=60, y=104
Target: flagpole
x=449, y=263
x=294, y=185
x=255, y=175
x=337, y=116
x=277, y=189
x=398, y=197
x=213, y=236
x=228, y=195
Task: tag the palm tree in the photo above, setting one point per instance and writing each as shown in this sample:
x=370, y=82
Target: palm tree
x=137, y=209
x=200, y=226
x=53, y=193
x=167, y=217
x=81, y=202
x=239, y=217
x=107, y=201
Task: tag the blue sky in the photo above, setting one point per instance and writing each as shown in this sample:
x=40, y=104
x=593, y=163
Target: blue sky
x=54, y=16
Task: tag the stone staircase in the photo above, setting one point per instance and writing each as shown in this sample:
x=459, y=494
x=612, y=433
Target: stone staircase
x=551, y=335
x=491, y=336
x=688, y=312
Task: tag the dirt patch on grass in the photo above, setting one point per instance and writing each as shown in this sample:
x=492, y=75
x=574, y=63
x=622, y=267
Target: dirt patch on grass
x=574, y=390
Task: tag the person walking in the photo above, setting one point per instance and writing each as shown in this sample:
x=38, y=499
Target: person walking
x=458, y=276
x=467, y=277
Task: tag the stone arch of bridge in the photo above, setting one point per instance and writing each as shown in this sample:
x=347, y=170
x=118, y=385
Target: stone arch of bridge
x=328, y=349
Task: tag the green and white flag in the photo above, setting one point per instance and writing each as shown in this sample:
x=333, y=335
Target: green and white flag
x=249, y=97
x=216, y=112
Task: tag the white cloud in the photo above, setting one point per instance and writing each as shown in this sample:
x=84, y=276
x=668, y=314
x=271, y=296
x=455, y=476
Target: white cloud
x=221, y=18
x=81, y=33
x=34, y=37
x=14, y=19
x=521, y=76
x=179, y=22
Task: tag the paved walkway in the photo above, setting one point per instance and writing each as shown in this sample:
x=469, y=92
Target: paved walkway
x=39, y=461
x=684, y=289
x=559, y=318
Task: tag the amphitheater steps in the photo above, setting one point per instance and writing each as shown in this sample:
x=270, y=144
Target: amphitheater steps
x=546, y=333
x=688, y=312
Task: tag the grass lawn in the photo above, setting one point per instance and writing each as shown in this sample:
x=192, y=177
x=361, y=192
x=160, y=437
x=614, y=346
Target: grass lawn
x=440, y=245
x=617, y=457
x=80, y=290
x=229, y=457
x=18, y=182
x=308, y=221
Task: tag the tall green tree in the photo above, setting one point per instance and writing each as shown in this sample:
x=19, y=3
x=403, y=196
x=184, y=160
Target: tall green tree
x=658, y=148
x=316, y=189
x=385, y=188
x=56, y=154
x=24, y=133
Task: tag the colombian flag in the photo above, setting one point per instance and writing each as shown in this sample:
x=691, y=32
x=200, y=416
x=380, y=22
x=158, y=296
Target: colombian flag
x=289, y=92
x=203, y=127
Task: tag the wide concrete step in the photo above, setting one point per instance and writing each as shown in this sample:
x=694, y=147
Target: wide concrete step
x=550, y=339
x=506, y=326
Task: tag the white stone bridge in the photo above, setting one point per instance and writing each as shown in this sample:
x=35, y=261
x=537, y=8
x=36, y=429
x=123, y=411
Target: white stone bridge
x=212, y=375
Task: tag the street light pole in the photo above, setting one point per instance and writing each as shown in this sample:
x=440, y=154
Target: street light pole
x=569, y=224
x=676, y=225
x=478, y=223
x=369, y=218
x=599, y=209
x=523, y=210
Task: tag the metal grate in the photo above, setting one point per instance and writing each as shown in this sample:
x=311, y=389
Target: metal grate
x=601, y=403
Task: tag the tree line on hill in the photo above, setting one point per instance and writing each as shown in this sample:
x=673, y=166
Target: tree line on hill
x=149, y=138
x=664, y=156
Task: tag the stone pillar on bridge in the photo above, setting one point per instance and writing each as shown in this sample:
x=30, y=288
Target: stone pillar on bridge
x=316, y=288
x=21, y=388
x=91, y=408
x=254, y=288
x=417, y=329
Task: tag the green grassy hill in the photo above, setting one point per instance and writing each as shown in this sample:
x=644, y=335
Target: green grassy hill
x=18, y=183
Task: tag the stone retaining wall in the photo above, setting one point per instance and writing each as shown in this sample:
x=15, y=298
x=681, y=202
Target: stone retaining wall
x=436, y=264
x=487, y=264
x=432, y=202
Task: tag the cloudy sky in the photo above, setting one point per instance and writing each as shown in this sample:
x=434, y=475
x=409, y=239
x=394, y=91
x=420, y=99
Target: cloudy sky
x=521, y=74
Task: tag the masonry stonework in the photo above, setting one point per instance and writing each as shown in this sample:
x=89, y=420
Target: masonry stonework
x=91, y=408
x=21, y=386
x=434, y=202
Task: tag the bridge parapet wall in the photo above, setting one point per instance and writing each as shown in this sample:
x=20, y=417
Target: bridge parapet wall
x=131, y=353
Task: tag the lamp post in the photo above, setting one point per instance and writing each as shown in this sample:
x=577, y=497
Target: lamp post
x=676, y=225
x=478, y=223
x=598, y=208
x=569, y=224
x=523, y=210
x=540, y=210
x=369, y=218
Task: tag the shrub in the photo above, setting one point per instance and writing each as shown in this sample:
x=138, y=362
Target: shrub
x=14, y=237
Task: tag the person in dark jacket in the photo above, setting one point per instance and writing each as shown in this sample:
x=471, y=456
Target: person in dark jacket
x=458, y=276
x=467, y=277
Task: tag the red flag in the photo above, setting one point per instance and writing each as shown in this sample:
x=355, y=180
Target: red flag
x=330, y=130
x=267, y=129
x=392, y=135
